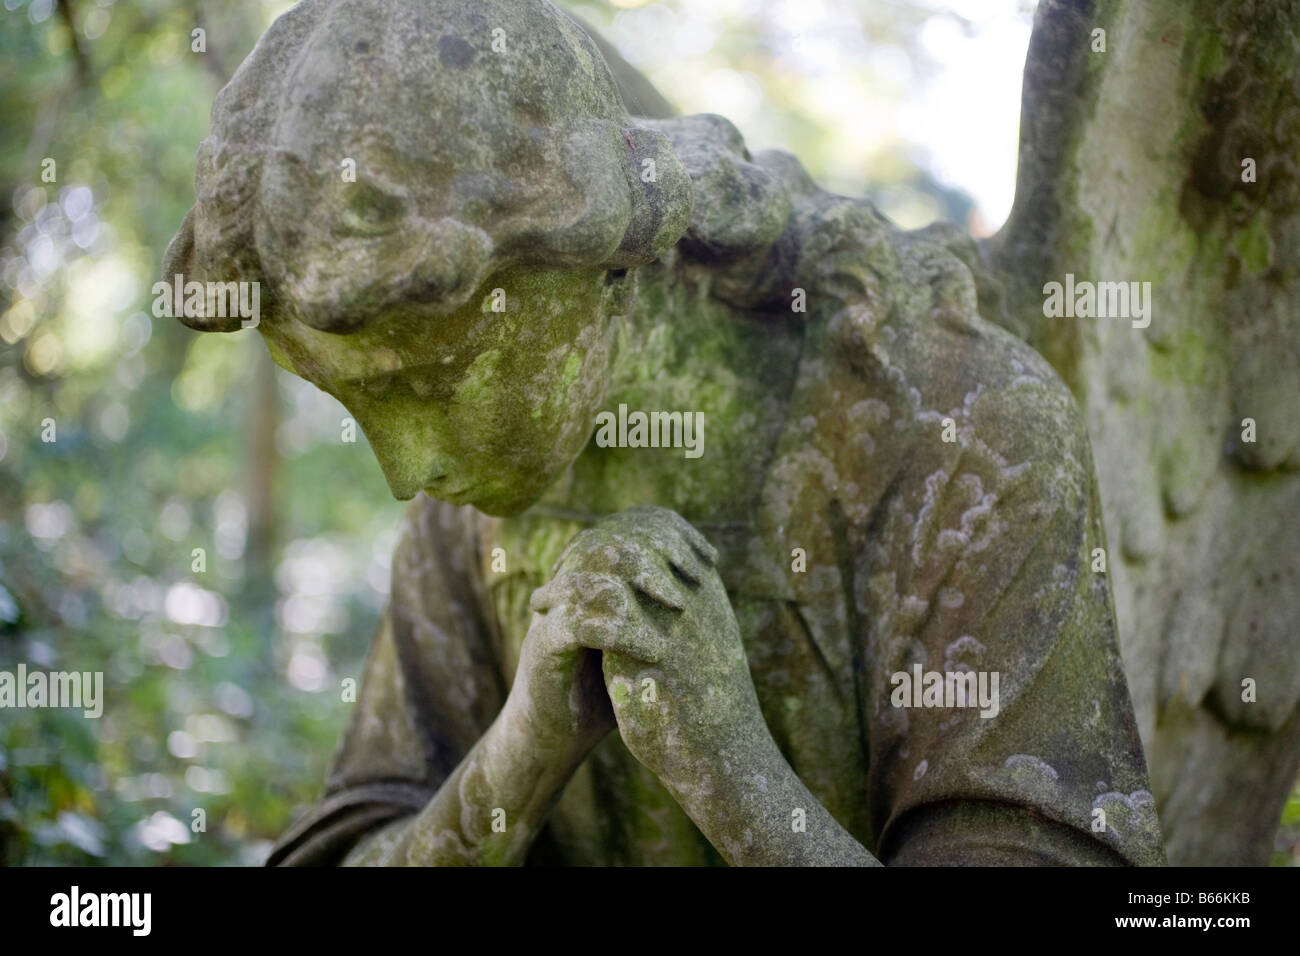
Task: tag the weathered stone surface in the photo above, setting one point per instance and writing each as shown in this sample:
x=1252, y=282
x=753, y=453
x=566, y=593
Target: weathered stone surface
x=889, y=479
x=1132, y=169
x=447, y=191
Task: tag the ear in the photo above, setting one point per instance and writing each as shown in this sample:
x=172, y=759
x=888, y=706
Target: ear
x=740, y=208
x=181, y=259
x=660, y=193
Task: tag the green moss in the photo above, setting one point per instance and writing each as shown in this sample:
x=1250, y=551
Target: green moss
x=1252, y=245
x=479, y=378
x=568, y=376
x=1203, y=57
x=1187, y=362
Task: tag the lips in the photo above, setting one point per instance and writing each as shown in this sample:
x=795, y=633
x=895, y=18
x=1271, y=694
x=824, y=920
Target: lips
x=437, y=488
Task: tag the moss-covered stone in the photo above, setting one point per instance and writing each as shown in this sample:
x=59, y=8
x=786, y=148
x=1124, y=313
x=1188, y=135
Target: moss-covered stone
x=1132, y=169
x=932, y=468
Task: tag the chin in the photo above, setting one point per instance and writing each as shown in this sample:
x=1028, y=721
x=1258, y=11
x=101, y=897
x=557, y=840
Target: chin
x=501, y=507
x=499, y=504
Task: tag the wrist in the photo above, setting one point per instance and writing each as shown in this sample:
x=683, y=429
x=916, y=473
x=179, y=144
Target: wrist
x=756, y=811
x=529, y=744
x=705, y=761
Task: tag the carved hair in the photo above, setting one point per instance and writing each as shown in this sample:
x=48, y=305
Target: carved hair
x=553, y=173
x=508, y=145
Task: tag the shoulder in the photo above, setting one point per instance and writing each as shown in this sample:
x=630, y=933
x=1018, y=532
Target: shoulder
x=956, y=387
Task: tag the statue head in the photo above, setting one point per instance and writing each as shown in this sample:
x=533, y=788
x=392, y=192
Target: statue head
x=440, y=201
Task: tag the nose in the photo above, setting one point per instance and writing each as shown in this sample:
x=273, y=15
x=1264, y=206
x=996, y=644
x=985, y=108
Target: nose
x=402, y=481
x=406, y=451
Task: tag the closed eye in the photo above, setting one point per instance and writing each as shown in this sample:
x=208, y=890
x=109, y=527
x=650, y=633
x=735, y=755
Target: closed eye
x=426, y=382
x=369, y=210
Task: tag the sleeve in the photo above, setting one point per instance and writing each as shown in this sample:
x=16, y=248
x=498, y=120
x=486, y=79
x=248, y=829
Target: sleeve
x=432, y=686
x=987, y=559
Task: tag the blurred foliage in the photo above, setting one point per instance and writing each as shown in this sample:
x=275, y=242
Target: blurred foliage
x=222, y=685
x=841, y=84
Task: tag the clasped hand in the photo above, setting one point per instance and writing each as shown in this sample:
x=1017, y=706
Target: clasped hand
x=635, y=630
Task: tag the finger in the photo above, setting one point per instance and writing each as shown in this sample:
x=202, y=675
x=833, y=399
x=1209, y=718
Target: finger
x=664, y=538
x=604, y=617
x=581, y=543
x=706, y=552
x=544, y=598
x=658, y=564
x=659, y=587
x=631, y=639
x=601, y=594
x=592, y=592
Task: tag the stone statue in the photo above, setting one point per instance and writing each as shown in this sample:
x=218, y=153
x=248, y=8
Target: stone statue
x=891, y=494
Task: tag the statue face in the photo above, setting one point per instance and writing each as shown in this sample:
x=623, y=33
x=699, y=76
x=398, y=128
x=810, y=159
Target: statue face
x=382, y=167
x=479, y=406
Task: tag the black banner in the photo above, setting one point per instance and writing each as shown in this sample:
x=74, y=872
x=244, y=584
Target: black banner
x=233, y=906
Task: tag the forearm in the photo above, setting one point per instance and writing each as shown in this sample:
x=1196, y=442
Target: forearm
x=489, y=810
x=756, y=811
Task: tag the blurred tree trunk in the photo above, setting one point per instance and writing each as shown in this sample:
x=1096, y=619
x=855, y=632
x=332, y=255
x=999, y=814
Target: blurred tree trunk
x=261, y=467
x=1132, y=167
x=263, y=420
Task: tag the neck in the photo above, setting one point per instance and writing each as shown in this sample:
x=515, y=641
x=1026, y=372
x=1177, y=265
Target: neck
x=681, y=351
